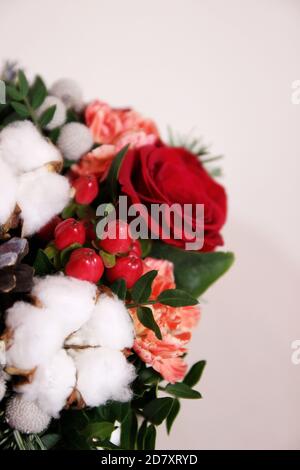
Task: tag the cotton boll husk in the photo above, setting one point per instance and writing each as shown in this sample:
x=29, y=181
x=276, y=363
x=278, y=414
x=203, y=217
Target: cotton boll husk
x=52, y=384
x=8, y=192
x=60, y=114
x=25, y=416
x=36, y=337
x=110, y=325
x=71, y=301
x=23, y=148
x=75, y=140
x=69, y=92
x=42, y=194
x=103, y=374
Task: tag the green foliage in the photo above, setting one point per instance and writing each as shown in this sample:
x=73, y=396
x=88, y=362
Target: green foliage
x=146, y=317
x=141, y=291
x=176, y=298
x=113, y=174
x=194, y=374
x=42, y=265
x=182, y=390
x=157, y=410
x=47, y=116
x=172, y=414
x=119, y=288
x=194, y=271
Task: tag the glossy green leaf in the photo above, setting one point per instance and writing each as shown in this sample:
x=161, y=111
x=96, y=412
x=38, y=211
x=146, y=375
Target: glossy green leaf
x=141, y=290
x=109, y=260
x=101, y=430
x=13, y=93
x=145, y=316
x=113, y=175
x=157, y=410
x=20, y=109
x=141, y=435
x=38, y=93
x=42, y=265
x=66, y=253
x=173, y=414
x=47, y=116
x=194, y=271
x=119, y=288
x=23, y=84
x=194, y=374
x=150, y=438
x=182, y=390
x=129, y=431
x=176, y=298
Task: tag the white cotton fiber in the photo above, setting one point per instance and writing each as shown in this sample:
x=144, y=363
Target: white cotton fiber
x=110, y=325
x=41, y=195
x=52, y=384
x=60, y=114
x=23, y=148
x=2, y=354
x=26, y=416
x=103, y=374
x=36, y=337
x=8, y=192
x=69, y=92
x=75, y=140
x=70, y=301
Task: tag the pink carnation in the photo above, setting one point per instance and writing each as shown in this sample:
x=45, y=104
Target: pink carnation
x=165, y=356
x=97, y=162
x=108, y=125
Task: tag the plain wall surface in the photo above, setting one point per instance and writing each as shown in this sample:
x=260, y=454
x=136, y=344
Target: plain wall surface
x=224, y=68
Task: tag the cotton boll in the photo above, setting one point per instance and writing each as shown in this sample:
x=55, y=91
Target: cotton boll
x=8, y=192
x=60, y=114
x=41, y=195
x=69, y=92
x=35, y=336
x=103, y=374
x=25, y=416
x=71, y=301
x=2, y=354
x=75, y=140
x=52, y=384
x=110, y=325
x=23, y=148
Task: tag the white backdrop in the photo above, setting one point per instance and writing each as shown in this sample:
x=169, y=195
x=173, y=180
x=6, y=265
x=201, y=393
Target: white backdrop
x=225, y=68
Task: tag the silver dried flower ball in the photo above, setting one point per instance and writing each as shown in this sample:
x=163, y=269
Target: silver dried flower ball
x=25, y=416
x=60, y=114
x=75, y=140
x=2, y=386
x=69, y=92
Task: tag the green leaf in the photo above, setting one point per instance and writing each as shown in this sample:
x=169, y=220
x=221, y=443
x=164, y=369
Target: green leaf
x=141, y=435
x=173, y=414
x=145, y=316
x=42, y=265
x=119, y=288
x=176, y=298
x=69, y=211
x=150, y=376
x=20, y=109
x=66, y=253
x=129, y=431
x=182, y=390
x=101, y=430
x=150, y=438
x=108, y=259
x=194, y=271
x=146, y=245
x=23, y=84
x=13, y=93
x=38, y=93
x=50, y=440
x=113, y=175
x=47, y=116
x=194, y=374
x=120, y=410
x=141, y=290
x=157, y=410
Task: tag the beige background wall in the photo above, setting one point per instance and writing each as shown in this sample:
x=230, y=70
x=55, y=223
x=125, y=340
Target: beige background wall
x=225, y=68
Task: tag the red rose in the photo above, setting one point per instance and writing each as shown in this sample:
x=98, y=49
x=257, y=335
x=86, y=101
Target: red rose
x=161, y=174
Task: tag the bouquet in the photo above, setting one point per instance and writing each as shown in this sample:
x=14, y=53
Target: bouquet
x=108, y=237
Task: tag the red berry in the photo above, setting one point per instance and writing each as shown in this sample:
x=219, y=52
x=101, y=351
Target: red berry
x=85, y=264
x=118, y=239
x=136, y=248
x=87, y=189
x=46, y=233
x=68, y=232
x=129, y=268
